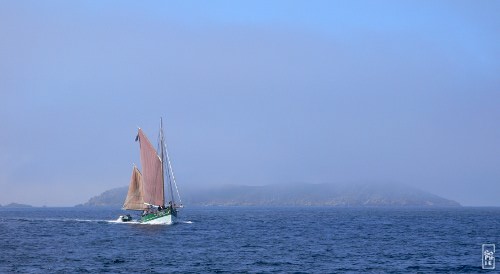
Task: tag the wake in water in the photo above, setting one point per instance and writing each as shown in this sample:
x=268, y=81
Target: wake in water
x=56, y=220
x=117, y=221
x=84, y=220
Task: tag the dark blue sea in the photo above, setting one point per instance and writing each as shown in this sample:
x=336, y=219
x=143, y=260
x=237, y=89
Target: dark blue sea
x=249, y=239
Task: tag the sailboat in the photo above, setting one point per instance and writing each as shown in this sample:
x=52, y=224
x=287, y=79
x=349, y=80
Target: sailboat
x=146, y=192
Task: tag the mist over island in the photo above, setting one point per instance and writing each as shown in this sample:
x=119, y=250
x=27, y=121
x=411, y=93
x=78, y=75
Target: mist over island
x=353, y=195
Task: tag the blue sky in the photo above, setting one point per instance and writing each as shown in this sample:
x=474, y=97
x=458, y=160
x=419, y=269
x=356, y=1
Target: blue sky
x=252, y=92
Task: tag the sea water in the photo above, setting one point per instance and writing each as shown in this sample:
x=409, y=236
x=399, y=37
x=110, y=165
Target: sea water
x=249, y=239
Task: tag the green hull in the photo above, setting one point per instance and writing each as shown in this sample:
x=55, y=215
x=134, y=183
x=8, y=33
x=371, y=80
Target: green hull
x=166, y=216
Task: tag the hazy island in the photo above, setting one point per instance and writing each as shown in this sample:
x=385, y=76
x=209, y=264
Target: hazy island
x=16, y=205
x=368, y=195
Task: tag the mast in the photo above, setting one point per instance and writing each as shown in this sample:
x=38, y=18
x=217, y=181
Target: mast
x=162, y=161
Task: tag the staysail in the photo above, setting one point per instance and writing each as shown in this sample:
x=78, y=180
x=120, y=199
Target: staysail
x=152, y=172
x=135, y=195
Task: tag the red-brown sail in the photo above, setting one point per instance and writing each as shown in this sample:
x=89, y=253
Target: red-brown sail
x=151, y=172
x=135, y=195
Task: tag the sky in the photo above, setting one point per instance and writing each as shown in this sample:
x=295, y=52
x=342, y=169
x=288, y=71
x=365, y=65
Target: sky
x=251, y=93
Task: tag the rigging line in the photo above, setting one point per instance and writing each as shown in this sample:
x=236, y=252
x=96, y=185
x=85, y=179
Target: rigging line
x=173, y=176
x=170, y=173
x=169, y=170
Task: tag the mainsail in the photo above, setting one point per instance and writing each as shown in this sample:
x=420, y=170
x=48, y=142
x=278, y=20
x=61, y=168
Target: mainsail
x=135, y=195
x=152, y=172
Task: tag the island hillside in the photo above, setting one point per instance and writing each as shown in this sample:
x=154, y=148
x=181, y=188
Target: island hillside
x=363, y=195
